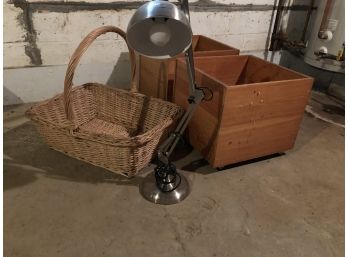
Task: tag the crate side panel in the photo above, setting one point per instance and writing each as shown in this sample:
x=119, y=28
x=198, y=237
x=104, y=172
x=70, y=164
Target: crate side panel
x=253, y=140
x=153, y=77
x=258, y=70
x=251, y=103
x=226, y=69
x=262, y=119
x=195, y=39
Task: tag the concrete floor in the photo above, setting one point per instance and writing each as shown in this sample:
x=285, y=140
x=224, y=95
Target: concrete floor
x=292, y=205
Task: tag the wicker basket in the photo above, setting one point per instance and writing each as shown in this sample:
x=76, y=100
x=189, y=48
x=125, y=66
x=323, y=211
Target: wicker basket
x=111, y=128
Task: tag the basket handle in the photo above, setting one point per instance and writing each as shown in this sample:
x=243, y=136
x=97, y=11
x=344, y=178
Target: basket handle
x=75, y=58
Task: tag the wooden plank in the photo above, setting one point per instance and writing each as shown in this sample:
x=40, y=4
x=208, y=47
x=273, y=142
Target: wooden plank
x=153, y=77
x=280, y=145
x=215, y=53
x=257, y=70
x=195, y=39
x=264, y=101
x=252, y=140
x=223, y=68
x=205, y=44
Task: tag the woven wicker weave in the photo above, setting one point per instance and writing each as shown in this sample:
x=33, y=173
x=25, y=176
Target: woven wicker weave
x=111, y=128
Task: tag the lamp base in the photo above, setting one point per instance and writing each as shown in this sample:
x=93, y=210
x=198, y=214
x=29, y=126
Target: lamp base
x=150, y=191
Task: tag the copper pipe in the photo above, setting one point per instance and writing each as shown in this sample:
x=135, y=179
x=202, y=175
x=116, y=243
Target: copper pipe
x=325, y=19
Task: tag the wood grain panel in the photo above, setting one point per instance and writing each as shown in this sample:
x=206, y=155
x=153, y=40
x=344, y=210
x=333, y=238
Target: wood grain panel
x=153, y=77
x=265, y=101
x=257, y=70
x=224, y=69
x=252, y=140
x=208, y=44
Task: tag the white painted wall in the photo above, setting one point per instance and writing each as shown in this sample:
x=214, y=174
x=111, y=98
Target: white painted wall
x=58, y=34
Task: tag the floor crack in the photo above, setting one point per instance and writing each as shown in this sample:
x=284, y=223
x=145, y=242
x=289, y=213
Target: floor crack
x=177, y=234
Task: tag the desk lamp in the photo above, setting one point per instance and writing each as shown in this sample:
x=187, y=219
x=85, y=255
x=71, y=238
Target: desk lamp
x=160, y=29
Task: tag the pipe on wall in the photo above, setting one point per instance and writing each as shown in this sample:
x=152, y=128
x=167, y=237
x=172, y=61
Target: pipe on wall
x=277, y=41
x=274, y=39
x=308, y=17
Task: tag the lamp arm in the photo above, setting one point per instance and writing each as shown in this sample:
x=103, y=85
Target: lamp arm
x=194, y=99
x=185, y=8
x=190, y=67
x=166, y=149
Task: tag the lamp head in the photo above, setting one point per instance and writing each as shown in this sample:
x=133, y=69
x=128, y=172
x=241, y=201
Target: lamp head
x=159, y=29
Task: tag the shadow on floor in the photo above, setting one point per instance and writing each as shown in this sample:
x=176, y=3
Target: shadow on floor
x=199, y=163
x=259, y=159
x=10, y=98
x=182, y=150
x=26, y=157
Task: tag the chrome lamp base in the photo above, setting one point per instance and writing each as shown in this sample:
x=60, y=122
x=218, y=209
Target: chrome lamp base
x=173, y=191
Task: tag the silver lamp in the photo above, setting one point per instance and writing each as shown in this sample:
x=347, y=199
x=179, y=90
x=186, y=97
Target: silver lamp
x=160, y=29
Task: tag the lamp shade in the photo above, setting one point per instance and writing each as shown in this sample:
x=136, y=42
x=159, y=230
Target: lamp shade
x=159, y=29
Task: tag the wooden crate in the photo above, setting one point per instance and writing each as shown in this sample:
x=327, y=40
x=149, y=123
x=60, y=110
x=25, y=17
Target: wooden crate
x=256, y=110
x=156, y=77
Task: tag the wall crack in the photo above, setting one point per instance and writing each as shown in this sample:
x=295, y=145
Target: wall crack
x=25, y=19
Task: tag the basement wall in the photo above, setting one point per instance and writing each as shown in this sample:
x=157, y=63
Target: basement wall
x=40, y=37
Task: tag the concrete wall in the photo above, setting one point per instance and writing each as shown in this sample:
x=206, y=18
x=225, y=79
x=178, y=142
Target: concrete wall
x=41, y=35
